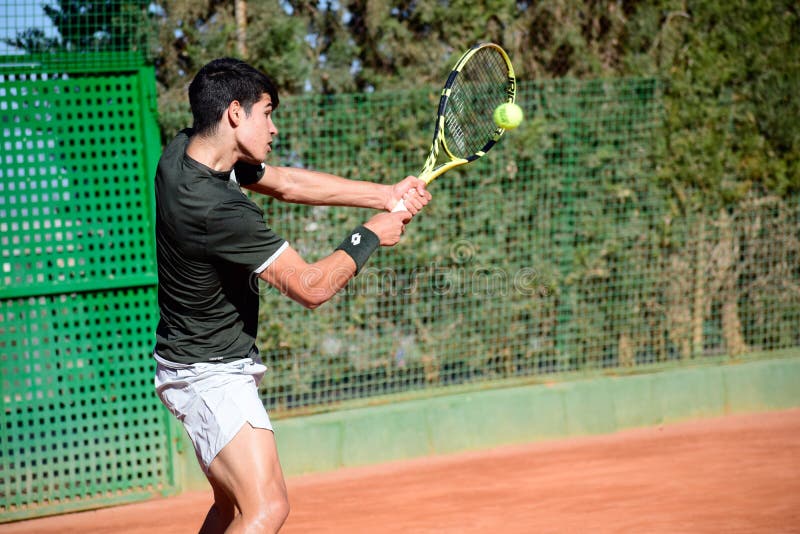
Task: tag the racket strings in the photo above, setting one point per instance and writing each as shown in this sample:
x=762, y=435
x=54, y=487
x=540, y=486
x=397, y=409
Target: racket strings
x=481, y=86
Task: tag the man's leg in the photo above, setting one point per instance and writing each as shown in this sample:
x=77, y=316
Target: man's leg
x=248, y=470
x=221, y=513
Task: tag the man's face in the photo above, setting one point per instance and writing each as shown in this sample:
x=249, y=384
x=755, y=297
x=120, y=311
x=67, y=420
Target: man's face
x=257, y=130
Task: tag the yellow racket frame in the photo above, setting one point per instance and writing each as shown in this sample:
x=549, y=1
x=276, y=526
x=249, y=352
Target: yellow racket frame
x=430, y=171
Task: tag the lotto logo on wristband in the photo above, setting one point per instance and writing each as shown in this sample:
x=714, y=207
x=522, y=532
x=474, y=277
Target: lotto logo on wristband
x=360, y=244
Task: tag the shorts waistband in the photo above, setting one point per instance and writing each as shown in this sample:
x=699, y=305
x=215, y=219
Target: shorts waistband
x=231, y=364
x=170, y=364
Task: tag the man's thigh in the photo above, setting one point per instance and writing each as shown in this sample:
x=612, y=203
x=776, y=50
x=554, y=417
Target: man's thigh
x=249, y=470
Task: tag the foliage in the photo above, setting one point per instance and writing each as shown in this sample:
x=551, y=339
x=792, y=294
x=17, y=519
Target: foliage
x=554, y=253
x=734, y=72
x=733, y=68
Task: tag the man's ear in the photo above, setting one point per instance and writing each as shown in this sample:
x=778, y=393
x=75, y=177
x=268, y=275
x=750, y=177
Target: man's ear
x=235, y=113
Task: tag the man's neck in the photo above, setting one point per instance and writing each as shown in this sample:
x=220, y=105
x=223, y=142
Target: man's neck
x=212, y=152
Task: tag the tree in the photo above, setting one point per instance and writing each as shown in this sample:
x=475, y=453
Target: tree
x=733, y=70
x=33, y=41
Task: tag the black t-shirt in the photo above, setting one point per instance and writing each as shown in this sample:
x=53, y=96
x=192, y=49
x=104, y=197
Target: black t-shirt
x=211, y=243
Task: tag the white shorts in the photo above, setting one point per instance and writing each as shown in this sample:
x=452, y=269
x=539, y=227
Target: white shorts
x=213, y=401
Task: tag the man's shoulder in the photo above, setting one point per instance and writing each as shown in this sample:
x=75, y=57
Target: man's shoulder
x=177, y=174
x=174, y=151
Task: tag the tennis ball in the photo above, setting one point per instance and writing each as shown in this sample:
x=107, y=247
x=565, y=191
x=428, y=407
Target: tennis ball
x=508, y=116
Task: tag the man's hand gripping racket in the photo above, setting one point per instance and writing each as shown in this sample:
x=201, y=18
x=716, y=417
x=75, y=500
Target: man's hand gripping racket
x=482, y=79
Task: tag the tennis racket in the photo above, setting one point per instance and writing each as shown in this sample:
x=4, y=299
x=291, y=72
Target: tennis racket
x=482, y=79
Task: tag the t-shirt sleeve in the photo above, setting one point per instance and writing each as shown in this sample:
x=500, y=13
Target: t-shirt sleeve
x=237, y=234
x=247, y=173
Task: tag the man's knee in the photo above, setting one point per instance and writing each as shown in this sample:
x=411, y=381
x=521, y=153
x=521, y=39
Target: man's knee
x=279, y=507
x=271, y=514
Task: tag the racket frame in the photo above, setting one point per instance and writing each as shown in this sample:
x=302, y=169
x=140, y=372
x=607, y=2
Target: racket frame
x=430, y=171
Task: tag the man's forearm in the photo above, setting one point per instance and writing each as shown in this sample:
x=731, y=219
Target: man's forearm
x=304, y=186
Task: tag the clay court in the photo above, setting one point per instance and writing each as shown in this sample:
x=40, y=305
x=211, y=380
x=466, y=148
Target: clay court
x=735, y=474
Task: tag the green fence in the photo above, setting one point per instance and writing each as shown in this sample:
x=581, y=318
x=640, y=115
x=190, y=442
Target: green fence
x=79, y=425
x=558, y=252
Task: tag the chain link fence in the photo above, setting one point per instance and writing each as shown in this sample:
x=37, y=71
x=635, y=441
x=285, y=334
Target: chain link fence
x=559, y=252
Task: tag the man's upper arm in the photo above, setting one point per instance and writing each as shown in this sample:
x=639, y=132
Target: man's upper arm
x=309, y=284
x=286, y=273
x=270, y=182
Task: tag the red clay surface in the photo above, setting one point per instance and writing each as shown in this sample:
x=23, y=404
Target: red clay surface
x=738, y=474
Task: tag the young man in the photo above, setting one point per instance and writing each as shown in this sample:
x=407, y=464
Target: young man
x=212, y=245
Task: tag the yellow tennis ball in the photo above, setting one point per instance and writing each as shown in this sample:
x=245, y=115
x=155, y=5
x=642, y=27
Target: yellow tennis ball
x=508, y=116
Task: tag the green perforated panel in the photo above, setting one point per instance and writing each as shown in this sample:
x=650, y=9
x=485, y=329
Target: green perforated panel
x=74, y=210
x=80, y=423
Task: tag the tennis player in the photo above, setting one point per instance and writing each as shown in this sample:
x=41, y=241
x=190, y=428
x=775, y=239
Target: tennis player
x=213, y=245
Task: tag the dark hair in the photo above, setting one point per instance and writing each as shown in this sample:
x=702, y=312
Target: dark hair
x=219, y=83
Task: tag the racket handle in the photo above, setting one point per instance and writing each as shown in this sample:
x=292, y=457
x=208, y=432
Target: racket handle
x=400, y=206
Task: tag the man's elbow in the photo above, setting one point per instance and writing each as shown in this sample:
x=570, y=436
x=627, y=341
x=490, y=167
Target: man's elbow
x=313, y=300
x=311, y=305
x=285, y=190
x=290, y=195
